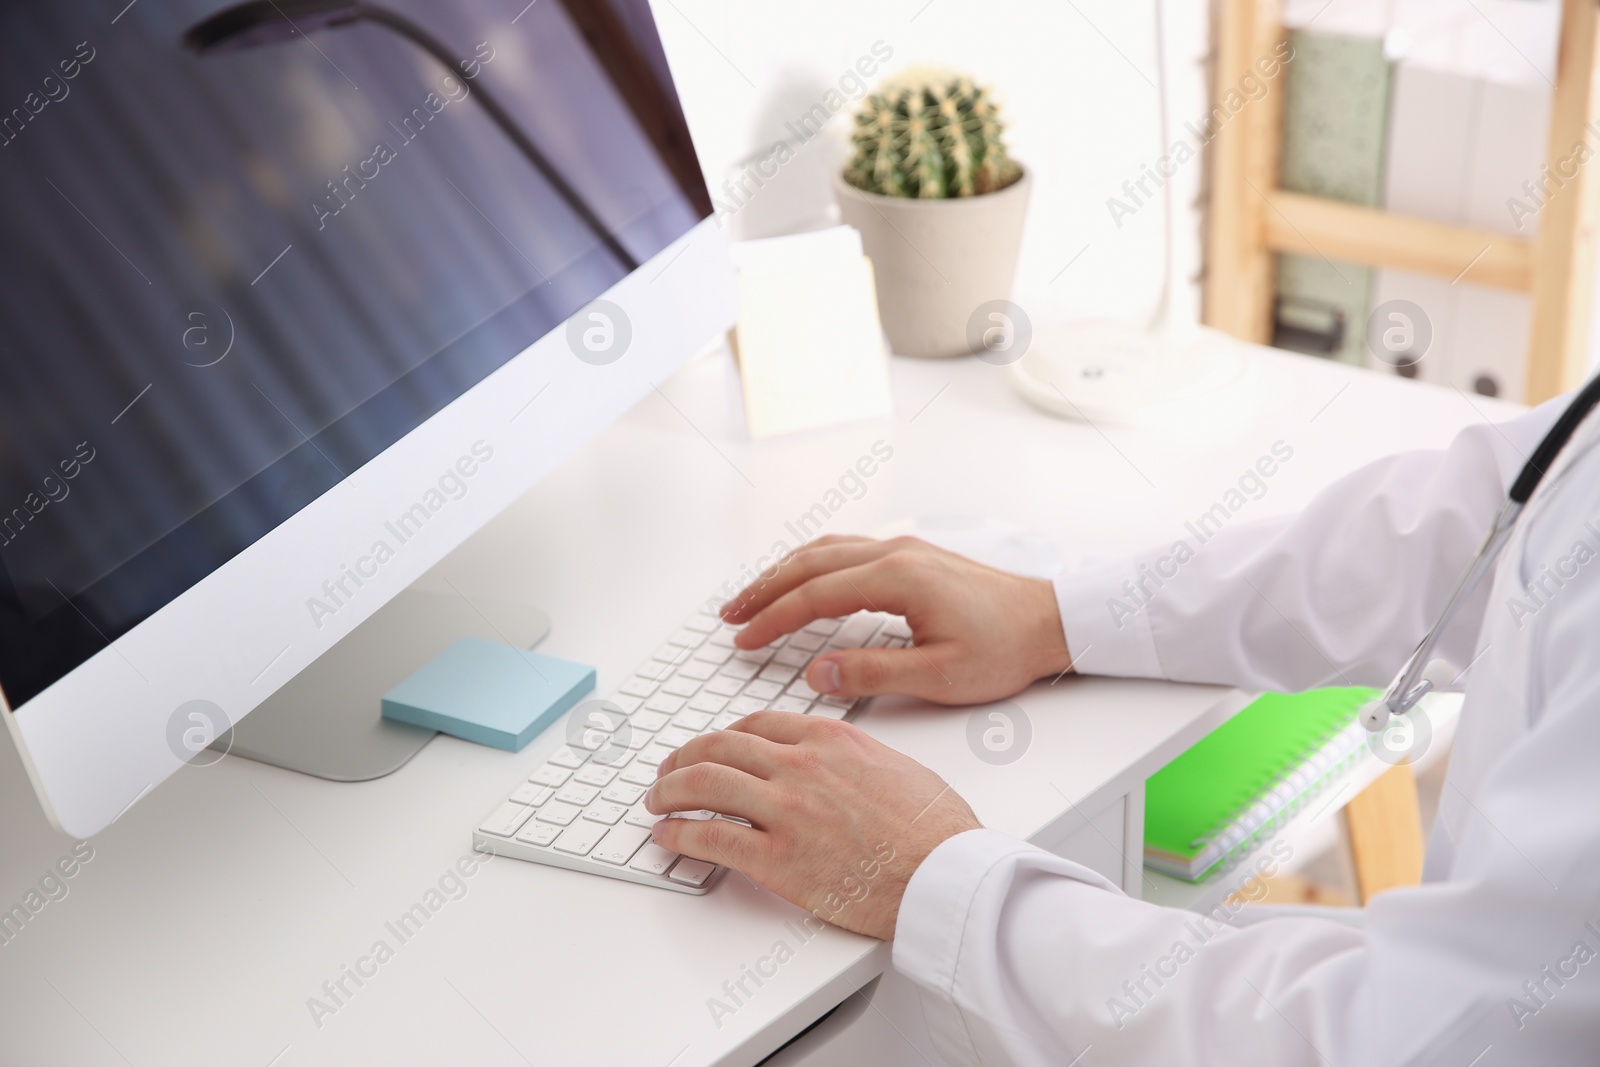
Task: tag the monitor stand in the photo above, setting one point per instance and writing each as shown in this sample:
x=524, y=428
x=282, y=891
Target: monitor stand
x=326, y=721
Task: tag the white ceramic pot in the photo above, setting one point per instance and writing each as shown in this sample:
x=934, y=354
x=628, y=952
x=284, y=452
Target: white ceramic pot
x=937, y=262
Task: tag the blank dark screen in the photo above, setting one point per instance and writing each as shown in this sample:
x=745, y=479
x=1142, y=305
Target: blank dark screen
x=228, y=279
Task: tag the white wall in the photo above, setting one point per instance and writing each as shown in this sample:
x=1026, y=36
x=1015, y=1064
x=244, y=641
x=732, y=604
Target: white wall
x=1077, y=81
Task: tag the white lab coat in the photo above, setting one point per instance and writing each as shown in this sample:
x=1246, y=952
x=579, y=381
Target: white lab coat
x=1021, y=955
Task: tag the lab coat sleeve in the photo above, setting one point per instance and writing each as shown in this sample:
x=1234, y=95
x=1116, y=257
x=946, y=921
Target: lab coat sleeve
x=1023, y=957
x=1026, y=958
x=1337, y=595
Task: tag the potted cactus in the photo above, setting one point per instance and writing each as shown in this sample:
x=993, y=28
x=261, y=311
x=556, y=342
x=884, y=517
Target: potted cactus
x=940, y=207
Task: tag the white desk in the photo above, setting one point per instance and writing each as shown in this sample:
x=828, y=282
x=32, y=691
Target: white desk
x=221, y=902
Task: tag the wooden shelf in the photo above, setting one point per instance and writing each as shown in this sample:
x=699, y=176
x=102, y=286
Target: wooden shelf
x=1313, y=226
x=1252, y=220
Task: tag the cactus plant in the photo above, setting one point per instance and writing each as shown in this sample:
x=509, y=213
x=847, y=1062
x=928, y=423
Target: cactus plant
x=937, y=136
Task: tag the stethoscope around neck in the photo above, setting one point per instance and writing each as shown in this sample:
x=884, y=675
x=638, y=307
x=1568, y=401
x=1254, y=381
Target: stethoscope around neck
x=1409, y=685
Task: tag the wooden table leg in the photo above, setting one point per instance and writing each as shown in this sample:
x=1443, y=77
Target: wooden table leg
x=1384, y=830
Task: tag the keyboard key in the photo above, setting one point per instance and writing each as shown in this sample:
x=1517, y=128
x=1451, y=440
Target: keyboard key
x=855, y=631
x=825, y=627
x=742, y=669
x=653, y=859
x=686, y=638
x=566, y=757
x=897, y=627
x=530, y=794
x=594, y=774
x=649, y=720
x=696, y=671
x=640, y=774
x=606, y=813
x=703, y=624
x=620, y=793
x=707, y=702
x=743, y=706
x=681, y=685
x=725, y=720
x=615, y=755
x=723, y=685
x=664, y=702
x=701, y=815
x=689, y=871
x=560, y=814
x=792, y=657
x=619, y=844
x=674, y=737
x=573, y=793
x=762, y=689
x=879, y=641
x=637, y=686
x=799, y=688
x=840, y=702
x=693, y=721
x=791, y=704
x=636, y=740
x=506, y=820
x=829, y=711
x=599, y=719
x=554, y=777
x=757, y=656
x=777, y=672
x=539, y=833
x=807, y=641
x=655, y=671
x=723, y=638
x=592, y=739
x=654, y=754
x=579, y=838
x=628, y=704
x=710, y=653
x=640, y=817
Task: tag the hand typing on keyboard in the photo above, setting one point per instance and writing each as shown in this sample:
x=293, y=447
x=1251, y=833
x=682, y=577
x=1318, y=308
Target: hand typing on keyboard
x=980, y=634
x=582, y=808
x=839, y=821
x=824, y=631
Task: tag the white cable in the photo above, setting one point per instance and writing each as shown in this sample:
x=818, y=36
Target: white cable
x=1162, y=317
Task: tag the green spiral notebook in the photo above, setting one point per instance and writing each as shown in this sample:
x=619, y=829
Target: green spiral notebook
x=1240, y=782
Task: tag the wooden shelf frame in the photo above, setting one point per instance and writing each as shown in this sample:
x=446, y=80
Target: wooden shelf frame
x=1252, y=220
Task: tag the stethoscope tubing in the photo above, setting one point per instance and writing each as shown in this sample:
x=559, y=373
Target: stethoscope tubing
x=1409, y=686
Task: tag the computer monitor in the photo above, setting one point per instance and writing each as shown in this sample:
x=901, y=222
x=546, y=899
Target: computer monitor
x=295, y=296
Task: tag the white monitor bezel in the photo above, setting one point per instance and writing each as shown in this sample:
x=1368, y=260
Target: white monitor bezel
x=96, y=740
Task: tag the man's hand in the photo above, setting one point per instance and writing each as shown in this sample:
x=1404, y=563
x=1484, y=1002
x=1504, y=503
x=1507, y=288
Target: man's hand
x=979, y=634
x=838, y=821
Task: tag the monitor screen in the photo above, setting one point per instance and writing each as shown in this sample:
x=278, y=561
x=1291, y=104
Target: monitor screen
x=244, y=248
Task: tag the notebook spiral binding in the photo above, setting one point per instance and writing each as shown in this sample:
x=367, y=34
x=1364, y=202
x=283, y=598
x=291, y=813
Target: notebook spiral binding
x=1319, y=767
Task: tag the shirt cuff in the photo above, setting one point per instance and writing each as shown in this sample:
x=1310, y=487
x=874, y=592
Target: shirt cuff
x=933, y=922
x=1107, y=630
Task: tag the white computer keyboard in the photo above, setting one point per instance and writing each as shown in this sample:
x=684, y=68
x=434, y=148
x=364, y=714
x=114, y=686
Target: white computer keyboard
x=583, y=808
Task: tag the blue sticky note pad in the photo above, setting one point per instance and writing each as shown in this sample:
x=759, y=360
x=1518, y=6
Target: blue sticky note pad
x=489, y=693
